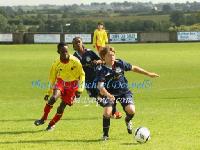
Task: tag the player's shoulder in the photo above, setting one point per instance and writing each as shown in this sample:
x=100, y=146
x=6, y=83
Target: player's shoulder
x=74, y=58
x=90, y=51
x=101, y=69
x=119, y=61
x=87, y=49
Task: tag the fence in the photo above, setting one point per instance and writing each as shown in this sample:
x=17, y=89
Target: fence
x=141, y=37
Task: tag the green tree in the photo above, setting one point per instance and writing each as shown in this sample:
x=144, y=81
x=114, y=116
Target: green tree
x=75, y=26
x=166, y=8
x=3, y=23
x=21, y=28
x=178, y=18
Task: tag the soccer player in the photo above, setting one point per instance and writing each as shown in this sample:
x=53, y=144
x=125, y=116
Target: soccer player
x=67, y=81
x=89, y=60
x=113, y=86
x=100, y=37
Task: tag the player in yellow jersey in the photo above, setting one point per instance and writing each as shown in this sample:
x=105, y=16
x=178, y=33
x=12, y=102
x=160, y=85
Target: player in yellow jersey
x=67, y=81
x=100, y=37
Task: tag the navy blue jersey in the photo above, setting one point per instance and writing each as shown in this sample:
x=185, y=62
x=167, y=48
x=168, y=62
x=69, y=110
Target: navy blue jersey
x=86, y=61
x=113, y=78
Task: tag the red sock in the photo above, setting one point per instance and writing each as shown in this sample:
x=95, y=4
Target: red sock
x=47, y=109
x=55, y=119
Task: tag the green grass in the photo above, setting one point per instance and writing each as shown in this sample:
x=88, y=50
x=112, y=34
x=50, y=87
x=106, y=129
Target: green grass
x=170, y=108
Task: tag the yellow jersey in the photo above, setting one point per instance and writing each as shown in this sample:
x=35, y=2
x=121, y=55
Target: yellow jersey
x=100, y=38
x=70, y=71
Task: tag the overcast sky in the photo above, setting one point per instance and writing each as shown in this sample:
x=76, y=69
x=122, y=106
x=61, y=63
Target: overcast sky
x=69, y=2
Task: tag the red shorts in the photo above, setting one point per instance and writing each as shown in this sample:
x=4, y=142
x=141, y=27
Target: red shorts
x=67, y=89
x=98, y=48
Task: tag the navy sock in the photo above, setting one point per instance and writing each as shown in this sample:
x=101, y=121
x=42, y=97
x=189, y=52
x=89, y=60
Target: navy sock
x=129, y=117
x=106, y=125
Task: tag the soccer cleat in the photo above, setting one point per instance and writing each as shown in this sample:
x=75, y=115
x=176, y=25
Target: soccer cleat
x=105, y=138
x=117, y=115
x=50, y=128
x=129, y=127
x=39, y=122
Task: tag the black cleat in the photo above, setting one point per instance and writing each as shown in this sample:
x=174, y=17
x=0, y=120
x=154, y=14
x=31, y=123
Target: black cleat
x=39, y=122
x=105, y=138
x=50, y=128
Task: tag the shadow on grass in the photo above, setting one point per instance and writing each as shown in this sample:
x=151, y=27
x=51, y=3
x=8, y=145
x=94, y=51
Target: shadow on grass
x=52, y=141
x=20, y=132
x=134, y=143
x=28, y=119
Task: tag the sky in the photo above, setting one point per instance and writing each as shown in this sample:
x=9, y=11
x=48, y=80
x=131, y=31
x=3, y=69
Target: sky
x=70, y=2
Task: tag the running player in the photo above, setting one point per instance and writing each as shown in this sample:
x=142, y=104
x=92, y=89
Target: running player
x=67, y=81
x=112, y=84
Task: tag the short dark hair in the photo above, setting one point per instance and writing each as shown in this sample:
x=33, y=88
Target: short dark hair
x=105, y=50
x=75, y=40
x=61, y=45
x=100, y=23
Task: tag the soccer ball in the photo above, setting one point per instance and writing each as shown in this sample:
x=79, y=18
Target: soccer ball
x=142, y=135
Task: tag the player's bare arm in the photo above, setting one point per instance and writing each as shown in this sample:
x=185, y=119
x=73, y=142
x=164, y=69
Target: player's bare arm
x=144, y=72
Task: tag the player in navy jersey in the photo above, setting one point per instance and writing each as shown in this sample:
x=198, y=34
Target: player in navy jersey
x=113, y=86
x=90, y=60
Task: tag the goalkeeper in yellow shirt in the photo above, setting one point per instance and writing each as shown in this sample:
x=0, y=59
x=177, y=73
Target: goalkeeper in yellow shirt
x=66, y=81
x=100, y=37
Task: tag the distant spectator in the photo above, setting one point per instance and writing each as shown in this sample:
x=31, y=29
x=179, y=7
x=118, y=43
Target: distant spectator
x=100, y=37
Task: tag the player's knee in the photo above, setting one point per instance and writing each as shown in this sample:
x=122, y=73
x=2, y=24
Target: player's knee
x=107, y=112
x=56, y=94
x=130, y=109
x=61, y=108
x=52, y=100
x=107, y=115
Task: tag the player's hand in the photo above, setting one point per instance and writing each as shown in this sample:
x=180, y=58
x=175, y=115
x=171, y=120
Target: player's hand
x=111, y=97
x=96, y=62
x=46, y=97
x=153, y=75
x=77, y=94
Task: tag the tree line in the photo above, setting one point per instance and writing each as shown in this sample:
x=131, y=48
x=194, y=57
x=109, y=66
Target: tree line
x=83, y=20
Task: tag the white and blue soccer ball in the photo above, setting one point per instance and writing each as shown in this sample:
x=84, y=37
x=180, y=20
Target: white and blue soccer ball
x=142, y=135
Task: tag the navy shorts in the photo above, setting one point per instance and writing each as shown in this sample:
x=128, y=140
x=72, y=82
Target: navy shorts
x=124, y=100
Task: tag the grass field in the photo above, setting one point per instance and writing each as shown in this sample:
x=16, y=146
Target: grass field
x=170, y=108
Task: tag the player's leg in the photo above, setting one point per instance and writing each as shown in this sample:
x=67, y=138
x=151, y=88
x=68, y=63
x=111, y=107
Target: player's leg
x=127, y=103
x=115, y=113
x=130, y=111
x=67, y=96
x=48, y=107
x=107, y=112
x=57, y=116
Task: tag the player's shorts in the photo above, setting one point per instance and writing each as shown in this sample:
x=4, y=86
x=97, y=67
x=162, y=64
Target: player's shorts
x=124, y=100
x=98, y=48
x=67, y=89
